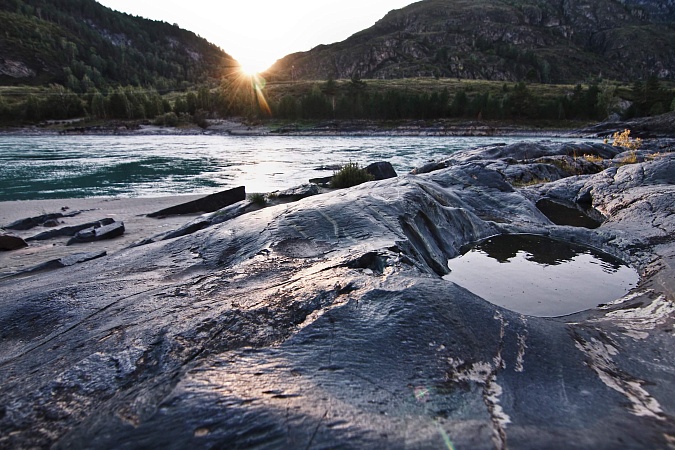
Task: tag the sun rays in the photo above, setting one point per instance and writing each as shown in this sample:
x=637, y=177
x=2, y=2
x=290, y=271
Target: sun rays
x=243, y=92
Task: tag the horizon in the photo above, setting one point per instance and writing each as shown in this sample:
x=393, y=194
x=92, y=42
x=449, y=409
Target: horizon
x=258, y=37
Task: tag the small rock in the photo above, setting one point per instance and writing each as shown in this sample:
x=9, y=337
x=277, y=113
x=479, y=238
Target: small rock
x=9, y=242
x=98, y=234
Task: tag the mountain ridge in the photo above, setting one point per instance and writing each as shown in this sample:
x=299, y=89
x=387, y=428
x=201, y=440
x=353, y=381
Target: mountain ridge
x=507, y=40
x=82, y=44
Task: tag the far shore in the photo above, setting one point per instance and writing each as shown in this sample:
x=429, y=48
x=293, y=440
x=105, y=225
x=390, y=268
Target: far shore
x=327, y=128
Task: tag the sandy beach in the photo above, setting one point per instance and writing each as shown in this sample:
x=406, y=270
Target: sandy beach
x=131, y=211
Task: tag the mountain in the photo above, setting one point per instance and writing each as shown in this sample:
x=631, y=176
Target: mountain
x=511, y=40
x=82, y=44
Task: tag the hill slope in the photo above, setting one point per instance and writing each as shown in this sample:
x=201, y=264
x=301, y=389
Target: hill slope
x=82, y=44
x=510, y=40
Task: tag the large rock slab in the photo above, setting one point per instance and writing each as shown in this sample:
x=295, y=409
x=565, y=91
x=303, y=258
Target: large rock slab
x=327, y=323
x=210, y=203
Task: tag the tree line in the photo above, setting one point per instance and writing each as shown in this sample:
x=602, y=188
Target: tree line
x=328, y=100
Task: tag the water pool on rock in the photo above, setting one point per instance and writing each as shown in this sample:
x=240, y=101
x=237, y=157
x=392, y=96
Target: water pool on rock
x=539, y=276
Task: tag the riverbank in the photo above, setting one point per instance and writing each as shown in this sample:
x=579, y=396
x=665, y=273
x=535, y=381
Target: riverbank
x=131, y=211
x=359, y=128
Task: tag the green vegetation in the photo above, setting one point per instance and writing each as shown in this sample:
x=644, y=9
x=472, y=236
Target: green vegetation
x=86, y=47
x=257, y=199
x=77, y=59
x=350, y=175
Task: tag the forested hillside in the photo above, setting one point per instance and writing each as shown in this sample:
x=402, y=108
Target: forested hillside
x=82, y=45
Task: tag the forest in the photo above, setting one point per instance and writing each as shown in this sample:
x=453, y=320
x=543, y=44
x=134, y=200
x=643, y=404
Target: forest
x=343, y=100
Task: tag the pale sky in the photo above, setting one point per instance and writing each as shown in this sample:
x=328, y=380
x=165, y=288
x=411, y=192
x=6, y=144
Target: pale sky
x=258, y=32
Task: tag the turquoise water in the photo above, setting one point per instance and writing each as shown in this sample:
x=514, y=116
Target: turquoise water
x=40, y=167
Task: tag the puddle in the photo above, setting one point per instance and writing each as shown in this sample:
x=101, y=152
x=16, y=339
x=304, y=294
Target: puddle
x=539, y=276
x=561, y=214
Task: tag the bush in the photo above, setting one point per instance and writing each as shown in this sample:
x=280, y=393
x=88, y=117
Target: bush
x=350, y=175
x=257, y=199
x=624, y=140
x=167, y=120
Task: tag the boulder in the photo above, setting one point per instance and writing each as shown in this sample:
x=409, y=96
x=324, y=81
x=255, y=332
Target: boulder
x=381, y=170
x=93, y=234
x=210, y=203
x=9, y=242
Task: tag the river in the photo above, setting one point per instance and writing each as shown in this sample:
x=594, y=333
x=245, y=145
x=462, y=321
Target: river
x=43, y=167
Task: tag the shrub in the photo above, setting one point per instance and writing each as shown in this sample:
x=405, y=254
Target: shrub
x=350, y=175
x=630, y=159
x=624, y=140
x=593, y=158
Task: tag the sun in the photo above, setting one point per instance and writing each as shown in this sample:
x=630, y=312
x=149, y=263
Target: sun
x=249, y=69
x=252, y=66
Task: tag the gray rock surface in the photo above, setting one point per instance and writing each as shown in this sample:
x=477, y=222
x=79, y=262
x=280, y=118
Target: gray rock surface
x=325, y=323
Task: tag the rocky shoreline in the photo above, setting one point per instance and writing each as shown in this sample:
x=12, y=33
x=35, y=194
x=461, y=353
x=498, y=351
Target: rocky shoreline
x=326, y=321
x=662, y=126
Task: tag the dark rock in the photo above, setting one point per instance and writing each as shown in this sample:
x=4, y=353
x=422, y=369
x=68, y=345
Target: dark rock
x=66, y=261
x=189, y=228
x=322, y=181
x=381, y=170
x=51, y=223
x=69, y=231
x=32, y=222
x=297, y=193
x=207, y=204
x=564, y=213
x=9, y=242
x=93, y=234
x=325, y=324
x=429, y=167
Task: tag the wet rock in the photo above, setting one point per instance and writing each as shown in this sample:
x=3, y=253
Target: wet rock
x=69, y=231
x=326, y=323
x=9, y=242
x=207, y=204
x=100, y=233
x=381, y=170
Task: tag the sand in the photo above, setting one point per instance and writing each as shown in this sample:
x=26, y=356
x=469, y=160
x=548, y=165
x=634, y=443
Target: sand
x=131, y=211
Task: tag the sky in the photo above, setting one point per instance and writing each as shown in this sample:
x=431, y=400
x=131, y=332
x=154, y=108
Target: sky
x=258, y=32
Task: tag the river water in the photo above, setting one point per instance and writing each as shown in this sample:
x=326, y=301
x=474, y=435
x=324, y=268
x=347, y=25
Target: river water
x=42, y=167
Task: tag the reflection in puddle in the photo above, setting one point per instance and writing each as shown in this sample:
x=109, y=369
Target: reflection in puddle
x=539, y=276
